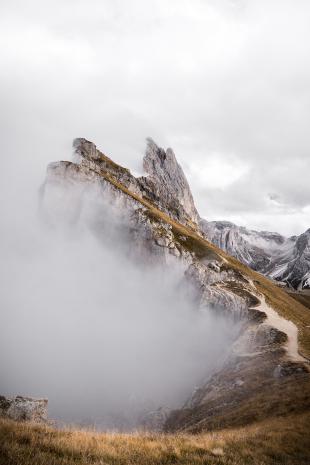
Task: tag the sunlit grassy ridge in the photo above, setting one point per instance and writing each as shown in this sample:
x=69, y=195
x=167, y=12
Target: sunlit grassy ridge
x=273, y=398
x=285, y=305
x=301, y=296
x=279, y=441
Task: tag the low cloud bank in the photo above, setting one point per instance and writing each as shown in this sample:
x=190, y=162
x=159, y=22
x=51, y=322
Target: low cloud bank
x=106, y=338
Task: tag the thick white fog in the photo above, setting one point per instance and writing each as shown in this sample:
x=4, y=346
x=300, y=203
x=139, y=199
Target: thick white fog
x=225, y=83
x=104, y=337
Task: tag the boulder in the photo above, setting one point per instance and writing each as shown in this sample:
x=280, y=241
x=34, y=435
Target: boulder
x=23, y=408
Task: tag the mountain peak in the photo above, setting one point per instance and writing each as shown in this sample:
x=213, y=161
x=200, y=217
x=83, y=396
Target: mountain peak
x=84, y=148
x=159, y=156
x=165, y=184
x=157, y=162
x=167, y=177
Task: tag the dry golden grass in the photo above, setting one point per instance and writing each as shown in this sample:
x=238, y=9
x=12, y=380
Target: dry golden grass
x=277, y=441
x=301, y=296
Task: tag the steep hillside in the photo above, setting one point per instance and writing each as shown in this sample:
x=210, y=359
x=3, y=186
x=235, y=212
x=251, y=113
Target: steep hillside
x=302, y=296
x=266, y=373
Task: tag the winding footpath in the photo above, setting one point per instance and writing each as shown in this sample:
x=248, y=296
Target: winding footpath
x=286, y=326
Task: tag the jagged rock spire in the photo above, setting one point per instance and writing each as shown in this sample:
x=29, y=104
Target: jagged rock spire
x=169, y=179
x=166, y=185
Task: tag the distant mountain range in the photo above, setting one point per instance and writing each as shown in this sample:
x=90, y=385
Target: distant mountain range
x=284, y=259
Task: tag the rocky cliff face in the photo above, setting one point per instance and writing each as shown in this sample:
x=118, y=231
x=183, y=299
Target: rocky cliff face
x=284, y=259
x=161, y=218
x=167, y=184
x=294, y=267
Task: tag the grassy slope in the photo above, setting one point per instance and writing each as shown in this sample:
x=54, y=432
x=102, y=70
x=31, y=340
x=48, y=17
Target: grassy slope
x=278, y=298
x=301, y=296
x=277, y=441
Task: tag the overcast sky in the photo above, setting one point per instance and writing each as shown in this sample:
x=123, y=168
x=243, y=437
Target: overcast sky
x=225, y=83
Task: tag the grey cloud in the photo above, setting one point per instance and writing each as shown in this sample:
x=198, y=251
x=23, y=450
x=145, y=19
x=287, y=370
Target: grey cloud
x=89, y=324
x=200, y=76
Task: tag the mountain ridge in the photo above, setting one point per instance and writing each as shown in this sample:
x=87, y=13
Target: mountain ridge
x=286, y=260
x=261, y=354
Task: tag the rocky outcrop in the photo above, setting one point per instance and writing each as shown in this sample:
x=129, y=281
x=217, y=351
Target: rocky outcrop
x=166, y=183
x=23, y=408
x=286, y=260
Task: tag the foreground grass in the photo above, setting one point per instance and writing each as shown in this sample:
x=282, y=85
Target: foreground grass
x=276, y=441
